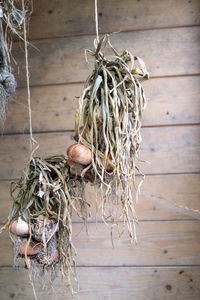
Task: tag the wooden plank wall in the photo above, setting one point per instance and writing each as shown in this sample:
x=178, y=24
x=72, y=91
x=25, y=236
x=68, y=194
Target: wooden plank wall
x=166, y=34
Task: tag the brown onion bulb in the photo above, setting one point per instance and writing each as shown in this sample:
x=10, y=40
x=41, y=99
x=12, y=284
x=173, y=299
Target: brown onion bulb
x=108, y=166
x=99, y=118
x=19, y=227
x=33, y=248
x=38, y=228
x=80, y=154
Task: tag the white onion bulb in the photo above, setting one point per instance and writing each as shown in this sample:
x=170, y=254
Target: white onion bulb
x=19, y=227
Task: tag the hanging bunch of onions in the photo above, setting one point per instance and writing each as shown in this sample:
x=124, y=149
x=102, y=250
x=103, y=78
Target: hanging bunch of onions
x=40, y=218
x=110, y=112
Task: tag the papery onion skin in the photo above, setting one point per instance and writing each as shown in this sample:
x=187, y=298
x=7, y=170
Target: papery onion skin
x=108, y=166
x=33, y=248
x=45, y=260
x=38, y=228
x=19, y=227
x=80, y=154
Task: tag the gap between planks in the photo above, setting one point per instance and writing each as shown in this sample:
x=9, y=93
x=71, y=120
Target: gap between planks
x=126, y=266
x=147, y=174
x=72, y=131
x=111, y=32
x=82, y=82
x=194, y=220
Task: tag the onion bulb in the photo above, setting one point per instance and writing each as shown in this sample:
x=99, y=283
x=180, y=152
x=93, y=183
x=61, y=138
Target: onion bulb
x=48, y=259
x=19, y=227
x=98, y=116
x=33, y=248
x=38, y=228
x=108, y=166
x=80, y=154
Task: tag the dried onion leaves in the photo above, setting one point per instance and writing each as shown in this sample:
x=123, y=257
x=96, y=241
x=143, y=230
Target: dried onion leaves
x=111, y=106
x=45, y=197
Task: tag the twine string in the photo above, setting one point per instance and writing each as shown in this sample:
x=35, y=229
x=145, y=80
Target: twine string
x=96, y=24
x=33, y=143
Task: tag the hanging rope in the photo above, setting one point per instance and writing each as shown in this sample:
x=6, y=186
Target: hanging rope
x=33, y=143
x=96, y=24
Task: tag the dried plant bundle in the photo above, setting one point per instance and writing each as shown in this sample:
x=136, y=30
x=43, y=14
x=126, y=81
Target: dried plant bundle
x=111, y=108
x=40, y=218
x=12, y=17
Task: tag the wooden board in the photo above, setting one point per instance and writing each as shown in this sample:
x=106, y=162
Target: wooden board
x=166, y=34
x=53, y=108
x=169, y=149
x=159, y=243
x=163, y=197
x=77, y=17
x=170, y=101
x=110, y=283
x=62, y=60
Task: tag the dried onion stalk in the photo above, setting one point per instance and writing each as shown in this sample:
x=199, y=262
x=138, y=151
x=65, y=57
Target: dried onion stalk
x=111, y=106
x=48, y=193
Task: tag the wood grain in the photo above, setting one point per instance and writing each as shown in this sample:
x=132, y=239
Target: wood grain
x=163, y=197
x=159, y=243
x=77, y=17
x=170, y=101
x=109, y=283
x=62, y=60
x=169, y=149
x=165, y=263
x=53, y=108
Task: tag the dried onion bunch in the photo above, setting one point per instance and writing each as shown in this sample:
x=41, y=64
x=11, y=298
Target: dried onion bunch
x=111, y=106
x=44, y=198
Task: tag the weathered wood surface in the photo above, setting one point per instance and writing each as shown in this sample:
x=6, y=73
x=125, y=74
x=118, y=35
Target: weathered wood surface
x=169, y=149
x=62, y=60
x=77, y=17
x=170, y=101
x=163, y=197
x=159, y=243
x=172, y=149
x=110, y=283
